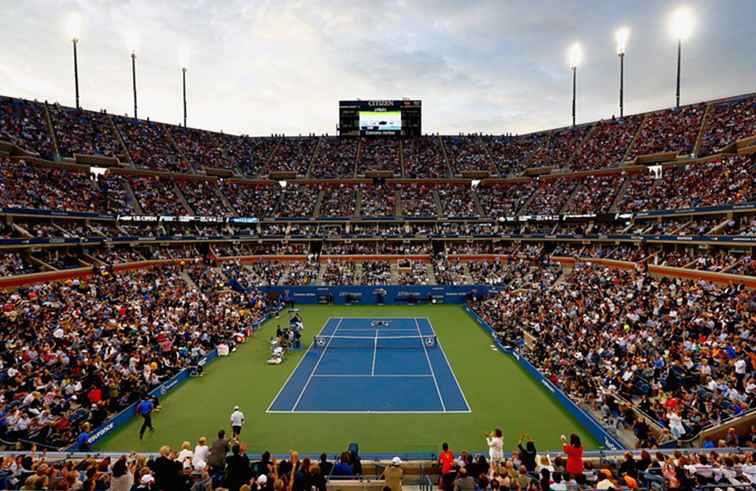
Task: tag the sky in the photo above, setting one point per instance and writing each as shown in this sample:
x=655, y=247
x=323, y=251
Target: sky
x=260, y=67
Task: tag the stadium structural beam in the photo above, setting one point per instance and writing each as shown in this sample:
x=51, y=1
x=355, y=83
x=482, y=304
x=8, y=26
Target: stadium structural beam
x=133, y=81
x=183, y=80
x=679, y=56
x=76, y=71
x=574, y=85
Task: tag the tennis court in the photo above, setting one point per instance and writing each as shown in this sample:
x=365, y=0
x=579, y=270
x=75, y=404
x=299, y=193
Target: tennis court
x=372, y=365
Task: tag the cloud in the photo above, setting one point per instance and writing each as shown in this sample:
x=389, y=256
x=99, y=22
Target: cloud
x=281, y=66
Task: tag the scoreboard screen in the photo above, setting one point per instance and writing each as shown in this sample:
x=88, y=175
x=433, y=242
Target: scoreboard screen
x=380, y=118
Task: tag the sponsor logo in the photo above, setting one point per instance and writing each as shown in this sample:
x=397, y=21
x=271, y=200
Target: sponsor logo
x=101, y=432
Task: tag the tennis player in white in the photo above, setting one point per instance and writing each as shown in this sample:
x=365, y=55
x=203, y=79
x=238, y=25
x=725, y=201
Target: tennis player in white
x=237, y=420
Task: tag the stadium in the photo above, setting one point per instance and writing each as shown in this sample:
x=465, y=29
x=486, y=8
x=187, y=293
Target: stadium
x=565, y=308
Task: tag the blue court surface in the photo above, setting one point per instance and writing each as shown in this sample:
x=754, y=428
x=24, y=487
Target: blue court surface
x=372, y=365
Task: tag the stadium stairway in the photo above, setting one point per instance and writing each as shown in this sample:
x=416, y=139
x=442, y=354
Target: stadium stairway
x=703, y=127
x=182, y=199
x=25, y=233
x=437, y=202
x=431, y=274
x=468, y=276
x=395, y=272
x=358, y=202
x=619, y=196
x=188, y=279
x=222, y=198
x=526, y=204
x=630, y=146
x=566, y=272
x=577, y=187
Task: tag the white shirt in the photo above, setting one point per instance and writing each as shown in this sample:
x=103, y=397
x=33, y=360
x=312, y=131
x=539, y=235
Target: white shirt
x=200, y=455
x=183, y=455
x=237, y=418
x=740, y=367
x=495, y=447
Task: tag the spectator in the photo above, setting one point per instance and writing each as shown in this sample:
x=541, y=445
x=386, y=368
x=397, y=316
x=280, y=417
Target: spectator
x=217, y=457
x=574, y=451
x=237, y=469
x=393, y=474
x=343, y=467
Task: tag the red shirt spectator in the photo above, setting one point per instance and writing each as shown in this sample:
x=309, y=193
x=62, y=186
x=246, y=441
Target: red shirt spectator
x=574, y=451
x=446, y=459
x=94, y=395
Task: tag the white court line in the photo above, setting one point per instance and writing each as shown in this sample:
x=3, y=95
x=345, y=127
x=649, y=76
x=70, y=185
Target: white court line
x=373, y=412
x=451, y=369
x=435, y=382
x=396, y=375
x=315, y=368
x=375, y=349
x=291, y=374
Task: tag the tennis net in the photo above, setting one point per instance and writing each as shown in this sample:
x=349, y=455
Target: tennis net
x=372, y=342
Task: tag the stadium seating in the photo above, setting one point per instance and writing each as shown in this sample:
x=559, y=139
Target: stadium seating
x=285, y=211
x=613, y=322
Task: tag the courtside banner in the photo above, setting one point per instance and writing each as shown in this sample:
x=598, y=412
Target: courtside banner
x=585, y=419
x=378, y=294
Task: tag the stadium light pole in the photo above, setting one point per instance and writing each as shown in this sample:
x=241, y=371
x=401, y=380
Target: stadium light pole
x=183, y=80
x=133, y=81
x=74, y=30
x=575, y=57
x=621, y=36
x=681, y=24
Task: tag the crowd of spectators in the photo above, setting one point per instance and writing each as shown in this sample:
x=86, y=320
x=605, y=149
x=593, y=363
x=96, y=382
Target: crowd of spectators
x=594, y=194
x=339, y=273
x=414, y=273
x=92, y=346
x=559, y=147
x=514, y=274
x=449, y=272
x=376, y=273
x=149, y=145
x=468, y=154
x=293, y=154
x=380, y=154
x=24, y=185
x=12, y=263
x=417, y=201
x=84, y=132
x=251, y=201
x=501, y=201
x=202, y=197
x=679, y=352
x=224, y=464
x=673, y=129
x=297, y=201
x=424, y=157
x=157, y=197
x=551, y=196
x=23, y=123
x=731, y=180
x=335, y=157
x=338, y=201
x=728, y=122
x=607, y=143
x=509, y=153
x=378, y=201
x=457, y=202
x=200, y=148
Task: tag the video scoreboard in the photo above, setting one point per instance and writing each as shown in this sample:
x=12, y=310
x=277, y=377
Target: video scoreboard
x=380, y=118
